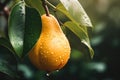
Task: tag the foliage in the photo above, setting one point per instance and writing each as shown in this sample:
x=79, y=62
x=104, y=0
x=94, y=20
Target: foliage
x=25, y=24
x=24, y=27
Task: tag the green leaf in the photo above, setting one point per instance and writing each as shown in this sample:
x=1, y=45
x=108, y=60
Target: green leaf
x=16, y=27
x=79, y=20
x=6, y=43
x=62, y=9
x=77, y=12
x=32, y=29
x=24, y=28
x=81, y=33
x=37, y=4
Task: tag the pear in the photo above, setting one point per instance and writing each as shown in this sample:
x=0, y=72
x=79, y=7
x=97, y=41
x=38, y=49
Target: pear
x=52, y=50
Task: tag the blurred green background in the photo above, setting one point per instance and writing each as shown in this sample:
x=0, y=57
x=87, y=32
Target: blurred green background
x=105, y=40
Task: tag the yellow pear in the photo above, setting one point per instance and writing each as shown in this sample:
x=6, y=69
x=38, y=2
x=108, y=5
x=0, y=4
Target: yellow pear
x=52, y=50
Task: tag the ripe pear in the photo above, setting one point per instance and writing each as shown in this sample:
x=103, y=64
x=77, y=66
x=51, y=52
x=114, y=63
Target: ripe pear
x=52, y=50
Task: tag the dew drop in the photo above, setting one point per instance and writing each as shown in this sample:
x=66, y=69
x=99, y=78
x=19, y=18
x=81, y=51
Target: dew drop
x=41, y=47
x=52, y=52
x=48, y=74
x=65, y=51
x=57, y=70
x=45, y=63
x=45, y=56
x=21, y=14
x=56, y=60
x=21, y=7
x=63, y=55
x=47, y=35
x=65, y=47
x=60, y=57
x=61, y=60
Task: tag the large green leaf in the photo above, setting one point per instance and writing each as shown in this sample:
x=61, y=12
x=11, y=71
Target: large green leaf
x=81, y=33
x=24, y=28
x=32, y=28
x=62, y=9
x=79, y=20
x=77, y=12
x=16, y=27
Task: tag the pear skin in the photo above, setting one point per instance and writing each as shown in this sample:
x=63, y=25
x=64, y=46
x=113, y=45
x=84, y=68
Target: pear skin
x=52, y=50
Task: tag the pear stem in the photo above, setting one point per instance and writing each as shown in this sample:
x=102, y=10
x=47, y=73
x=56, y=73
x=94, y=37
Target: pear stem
x=50, y=4
x=45, y=7
x=49, y=76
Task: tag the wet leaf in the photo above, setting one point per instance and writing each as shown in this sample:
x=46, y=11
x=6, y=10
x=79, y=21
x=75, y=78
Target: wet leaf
x=24, y=28
x=16, y=27
x=62, y=9
x=77, y=12
x=81, y=33
x=32, y=28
